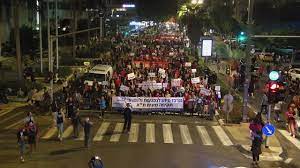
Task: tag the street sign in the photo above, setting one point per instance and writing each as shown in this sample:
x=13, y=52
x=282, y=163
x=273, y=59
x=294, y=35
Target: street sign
x=268, y=130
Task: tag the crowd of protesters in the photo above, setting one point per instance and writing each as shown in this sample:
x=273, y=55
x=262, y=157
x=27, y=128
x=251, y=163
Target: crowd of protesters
x=152, y=59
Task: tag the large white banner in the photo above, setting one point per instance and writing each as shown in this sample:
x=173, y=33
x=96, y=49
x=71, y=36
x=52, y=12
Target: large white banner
x=148, y=103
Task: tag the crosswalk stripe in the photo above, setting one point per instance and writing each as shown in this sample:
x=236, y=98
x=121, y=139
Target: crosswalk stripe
x=222, y=136
x=185, y=134
x=206, y=140
x=5, y=111
x=14, y=124
x=134, y=132
x=167, y=133
x=50, y=133
x=80, y=136
x=10, y=117
x=293, y=140
x=101, y=131
x=8, y=110
x=117, y=132
x=68, y=132
x=150, y=133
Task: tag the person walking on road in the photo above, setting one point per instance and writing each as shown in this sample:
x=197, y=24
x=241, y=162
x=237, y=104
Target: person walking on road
x=28, y=118
x=291, y=120
x=87, y=127
x=257, y=139
x=228, y=104
x=102, y=105
x=32, y=133
x=59, y=118
x=76, y=124
x=127, y=118
x=21, y=142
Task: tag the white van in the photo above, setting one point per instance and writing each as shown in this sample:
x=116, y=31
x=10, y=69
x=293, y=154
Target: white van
x=100, y=72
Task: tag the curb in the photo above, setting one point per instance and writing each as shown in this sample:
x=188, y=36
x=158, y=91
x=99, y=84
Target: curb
x=266, y=156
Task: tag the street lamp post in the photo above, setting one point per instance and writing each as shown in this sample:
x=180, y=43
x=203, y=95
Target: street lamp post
x=56, y=33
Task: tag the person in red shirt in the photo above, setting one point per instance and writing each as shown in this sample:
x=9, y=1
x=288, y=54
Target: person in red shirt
x=291, y=120
x=118, y=82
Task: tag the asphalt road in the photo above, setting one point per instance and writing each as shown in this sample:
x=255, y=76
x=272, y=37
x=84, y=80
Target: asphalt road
x=154, y=141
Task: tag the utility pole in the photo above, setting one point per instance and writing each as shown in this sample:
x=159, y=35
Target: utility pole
x=48, y=33
x=40, y=33
x=56, y=33
x=248, y=61
x=17, y=38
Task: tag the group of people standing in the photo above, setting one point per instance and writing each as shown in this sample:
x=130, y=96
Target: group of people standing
x=28, y=134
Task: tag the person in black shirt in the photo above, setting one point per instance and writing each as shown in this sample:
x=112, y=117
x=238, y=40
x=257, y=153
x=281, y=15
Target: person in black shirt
x=87, y=127
x=127, y=118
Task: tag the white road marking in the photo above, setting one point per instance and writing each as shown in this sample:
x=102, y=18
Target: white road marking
x=150, y=133
x=288, y=160
x=206, y=140
x=3, y=112
x=52, y=131
x=101, y=131
x=222, y=136
x=287, y=135
x=68, y=132
x=14, y=124
x=167, y=133
x=117, y=132
x=134, y=132
x=10, y=117
x=185, y=134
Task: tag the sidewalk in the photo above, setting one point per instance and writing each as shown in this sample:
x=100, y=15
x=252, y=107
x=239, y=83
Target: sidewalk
x=241, y=134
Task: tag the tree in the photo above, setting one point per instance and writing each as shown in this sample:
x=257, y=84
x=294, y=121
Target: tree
x=15, y=9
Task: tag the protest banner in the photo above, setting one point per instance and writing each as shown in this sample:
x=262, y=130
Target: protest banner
x=195, y=80
x=161, y=71
x=143, y=104
x=151, y=75
x=124, y=88
x=130, y=76
x=194, y=70
x=205, y=92
x=176, y=82
x=188, y=64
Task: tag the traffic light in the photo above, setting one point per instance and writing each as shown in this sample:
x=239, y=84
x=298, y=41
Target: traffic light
x=242, y=37
x=273, y=87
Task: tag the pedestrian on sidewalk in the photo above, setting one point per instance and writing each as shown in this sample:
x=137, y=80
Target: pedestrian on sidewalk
x=60, y=118
x=76, y=124
x=277, y=110
x=257, y=139
x=264, y=104
x=21, y=142
x=291, y=120
x=87, y=127
x=127, y=118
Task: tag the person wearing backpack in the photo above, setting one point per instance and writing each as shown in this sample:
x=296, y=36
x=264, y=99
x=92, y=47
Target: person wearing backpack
x=21, y=142
x=59, y=118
